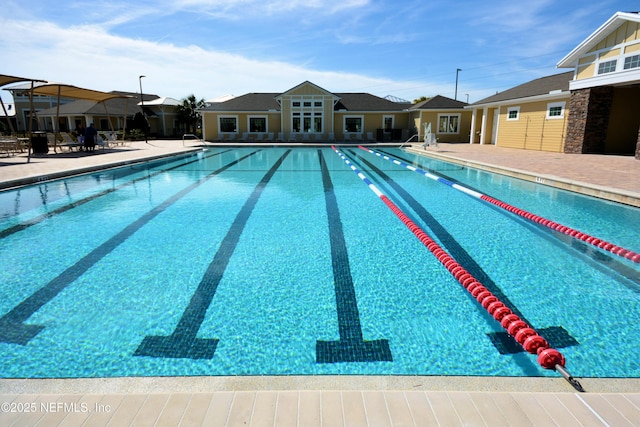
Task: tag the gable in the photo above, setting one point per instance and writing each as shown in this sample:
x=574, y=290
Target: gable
x=439, y=102
x=621, y=28
x=307, y=88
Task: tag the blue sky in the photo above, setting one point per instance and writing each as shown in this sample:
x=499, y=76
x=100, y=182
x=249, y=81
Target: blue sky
x=212, y=48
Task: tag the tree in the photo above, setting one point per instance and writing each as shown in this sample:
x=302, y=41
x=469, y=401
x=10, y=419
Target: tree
x=187, y=112
x=422, y=98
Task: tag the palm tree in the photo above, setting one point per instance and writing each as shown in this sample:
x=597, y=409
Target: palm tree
x=187, y=112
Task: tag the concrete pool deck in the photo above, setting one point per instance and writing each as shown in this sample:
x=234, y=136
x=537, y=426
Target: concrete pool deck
x=331, y=400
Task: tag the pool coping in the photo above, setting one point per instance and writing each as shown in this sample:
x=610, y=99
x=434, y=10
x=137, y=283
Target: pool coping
x=602, y=192
x=68, y=173
x=207, y=384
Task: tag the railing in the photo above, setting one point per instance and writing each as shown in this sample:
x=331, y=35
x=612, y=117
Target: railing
x=417, y=136
x=190, y=135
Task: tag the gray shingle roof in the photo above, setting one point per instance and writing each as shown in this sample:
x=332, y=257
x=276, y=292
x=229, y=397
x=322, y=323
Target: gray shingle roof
x=266, y=101
x=367, y=102
x=541, y=86
x=247, y=102
x=439, y=102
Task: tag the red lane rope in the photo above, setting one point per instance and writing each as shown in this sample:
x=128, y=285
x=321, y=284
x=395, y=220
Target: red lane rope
x=526, y=336
x=602, y=244
x=592, y=240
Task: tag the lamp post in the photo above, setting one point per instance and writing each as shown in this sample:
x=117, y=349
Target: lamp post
x=146, y=123
x=456, y=95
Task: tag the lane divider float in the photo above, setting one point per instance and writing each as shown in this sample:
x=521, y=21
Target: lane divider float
x=525, y=335
x=600, y=243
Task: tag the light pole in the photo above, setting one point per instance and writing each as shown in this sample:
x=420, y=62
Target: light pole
x=467, y=95
x=456, y=95
x=146, y=122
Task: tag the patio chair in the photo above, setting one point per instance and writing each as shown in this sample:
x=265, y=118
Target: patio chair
x=331, y=137
x=268, y=137
x=9, y=145
x=102, y=142
x=280, y=137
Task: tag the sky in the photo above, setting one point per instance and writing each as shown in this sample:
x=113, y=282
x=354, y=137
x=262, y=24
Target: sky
x=211, y=48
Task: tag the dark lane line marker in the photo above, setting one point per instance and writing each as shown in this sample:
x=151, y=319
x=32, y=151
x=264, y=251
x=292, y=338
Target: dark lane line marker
x=183, y=343
x=351, y=347
x=33, y=221
x=12, y=328
x=557, y=336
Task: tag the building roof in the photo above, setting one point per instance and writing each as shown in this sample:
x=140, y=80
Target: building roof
x=267, y=101
x=247, y=102
x=366, y=102
x=164, y=101
x=537, y=87
x=569, y=61
x=439, y=102
x=220, y=99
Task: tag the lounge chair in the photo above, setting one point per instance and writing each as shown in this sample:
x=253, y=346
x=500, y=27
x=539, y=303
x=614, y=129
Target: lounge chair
x=68, y=142
x=280, y=137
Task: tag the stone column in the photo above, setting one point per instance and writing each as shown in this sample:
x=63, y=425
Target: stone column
x=589, y=111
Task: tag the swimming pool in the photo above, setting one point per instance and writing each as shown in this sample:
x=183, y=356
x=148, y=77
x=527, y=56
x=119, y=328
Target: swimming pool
x=276, y=261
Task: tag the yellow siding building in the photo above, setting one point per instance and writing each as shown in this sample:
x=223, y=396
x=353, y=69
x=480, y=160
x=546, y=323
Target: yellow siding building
x=593, y=108
x=309, y=113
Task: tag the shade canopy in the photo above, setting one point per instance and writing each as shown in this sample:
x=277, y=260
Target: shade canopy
x=6, y=79
x=70, y=91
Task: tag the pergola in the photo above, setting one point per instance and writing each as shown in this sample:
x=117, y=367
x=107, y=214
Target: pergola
x=62, y=90
x=5, y=80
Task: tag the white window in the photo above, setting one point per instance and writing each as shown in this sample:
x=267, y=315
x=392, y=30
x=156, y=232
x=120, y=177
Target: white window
x=607, y=67
x=228, y=124
x=387, y=123
x=307, y=115
x=513, y=113
x=632, y=62
x=257, y=124
x=295, y=122
x=448, y=123
x=555, y=110
x=353, y=124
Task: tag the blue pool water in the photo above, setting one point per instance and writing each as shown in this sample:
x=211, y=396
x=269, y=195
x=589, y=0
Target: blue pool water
x=271, y=261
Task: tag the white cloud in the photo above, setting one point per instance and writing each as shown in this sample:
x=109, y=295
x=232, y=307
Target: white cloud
x=90, y=57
